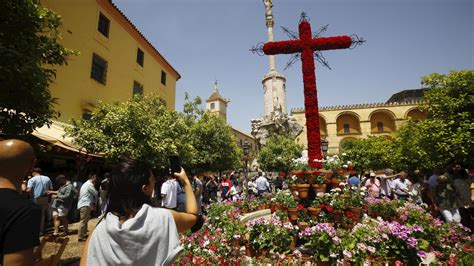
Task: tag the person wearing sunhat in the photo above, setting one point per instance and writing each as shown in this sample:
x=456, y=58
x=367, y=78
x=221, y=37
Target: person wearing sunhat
x=373, y=186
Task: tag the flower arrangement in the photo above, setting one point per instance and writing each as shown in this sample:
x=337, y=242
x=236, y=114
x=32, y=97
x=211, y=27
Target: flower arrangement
x=270, y=234
x=413, y=237
x=321, y=239
x=385, y=208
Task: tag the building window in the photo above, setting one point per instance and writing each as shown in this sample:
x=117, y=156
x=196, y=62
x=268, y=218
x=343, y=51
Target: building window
x=163, y=77
x=137, y=88
x=213, y=106
x=104, y=25
x=99, y=69
x=380, y=126
x=240, y=143
x=346, y=129
x=140, y=56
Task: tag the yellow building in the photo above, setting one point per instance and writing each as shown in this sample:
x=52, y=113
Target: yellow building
x=345, y=122
x=115, y=59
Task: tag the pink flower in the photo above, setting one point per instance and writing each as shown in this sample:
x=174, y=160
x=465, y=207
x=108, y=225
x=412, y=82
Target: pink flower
x=371, y=249
x=347, y=254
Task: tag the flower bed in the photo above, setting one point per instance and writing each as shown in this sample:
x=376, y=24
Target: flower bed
x=340, y=232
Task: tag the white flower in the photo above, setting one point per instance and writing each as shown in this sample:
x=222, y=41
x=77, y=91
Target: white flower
x=344, y=154
x=363, y=188
x=349, y=162
x=342, y=184
x=344, y=166
x=362, y=194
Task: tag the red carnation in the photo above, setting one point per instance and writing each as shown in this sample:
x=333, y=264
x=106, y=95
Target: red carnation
x=213, y=248
x=300, y=207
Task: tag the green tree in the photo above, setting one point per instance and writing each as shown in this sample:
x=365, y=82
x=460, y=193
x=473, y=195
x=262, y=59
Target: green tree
x=29, y=49
x=278, y=153
x=141, y=128
x=216, y=147
x=447, y=134
x=373, y=152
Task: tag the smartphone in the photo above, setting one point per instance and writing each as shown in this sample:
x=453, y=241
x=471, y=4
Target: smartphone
x=175, y=165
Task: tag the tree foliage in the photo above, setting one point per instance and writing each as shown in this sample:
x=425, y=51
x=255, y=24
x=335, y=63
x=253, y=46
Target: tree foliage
x=144, y=129
x=216, y=147
x=373, y=152
x=278, y=153
x=446, y=136
x=141, y=128
x=29, y=49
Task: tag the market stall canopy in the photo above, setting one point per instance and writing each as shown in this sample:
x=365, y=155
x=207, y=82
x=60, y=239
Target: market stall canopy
x=55, y=135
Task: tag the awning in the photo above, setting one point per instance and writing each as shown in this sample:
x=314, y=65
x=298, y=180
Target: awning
x=55, y=135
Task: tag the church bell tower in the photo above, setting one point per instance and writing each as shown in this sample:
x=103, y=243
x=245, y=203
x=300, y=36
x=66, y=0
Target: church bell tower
x=216, y=104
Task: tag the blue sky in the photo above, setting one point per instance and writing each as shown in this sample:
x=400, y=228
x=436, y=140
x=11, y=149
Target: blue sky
x=209, y=39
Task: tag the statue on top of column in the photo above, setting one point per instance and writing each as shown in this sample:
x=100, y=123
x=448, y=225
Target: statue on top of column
x=268, y=8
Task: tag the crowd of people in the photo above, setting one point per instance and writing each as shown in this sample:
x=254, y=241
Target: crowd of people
x=132, y=231
x=447, y=193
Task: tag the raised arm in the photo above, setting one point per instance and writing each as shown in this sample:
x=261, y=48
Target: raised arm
x=186, y=220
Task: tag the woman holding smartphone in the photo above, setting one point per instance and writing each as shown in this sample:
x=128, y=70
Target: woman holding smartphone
x=133, y=232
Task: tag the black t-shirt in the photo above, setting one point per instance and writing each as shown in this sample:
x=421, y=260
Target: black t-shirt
x=19, y=223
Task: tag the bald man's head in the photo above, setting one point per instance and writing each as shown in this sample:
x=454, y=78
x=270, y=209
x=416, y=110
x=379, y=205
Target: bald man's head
x=16, y=160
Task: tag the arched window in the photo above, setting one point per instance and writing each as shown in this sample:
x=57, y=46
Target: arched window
x=348, y=124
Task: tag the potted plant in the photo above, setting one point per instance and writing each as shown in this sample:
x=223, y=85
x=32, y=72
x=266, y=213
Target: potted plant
x=339, y=204
x=321, y=239
x=270, y=235
x=356, y=202
x=315, y=207
x=291, y=205
x=303, y=189
x=304, y=219
x=319, y=185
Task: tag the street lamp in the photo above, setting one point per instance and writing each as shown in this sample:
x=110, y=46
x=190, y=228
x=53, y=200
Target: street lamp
x=246, y=148
x=324, y=146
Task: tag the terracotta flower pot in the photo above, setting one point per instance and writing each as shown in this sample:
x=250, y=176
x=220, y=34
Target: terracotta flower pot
x=356, y=211
x=293, y=214
x=303, y=190
x=323, y=263
x=338, y=216
x=319, y=188
x=293, y=188
x=293, y=243
x=310, y=179
x=236, y=242
x=303, y=225
x=249, y=252
x=297, y=172
x=314, y=212
x=372, y=214
x=335, y=182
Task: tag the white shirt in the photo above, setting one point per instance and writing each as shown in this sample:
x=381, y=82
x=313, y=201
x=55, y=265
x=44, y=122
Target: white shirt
x=170, y=191
x=386, y=185
x=401, y=187
x=149, y=238
x=87, y=195
x=262, y=183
